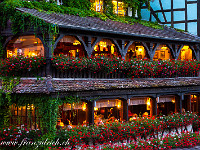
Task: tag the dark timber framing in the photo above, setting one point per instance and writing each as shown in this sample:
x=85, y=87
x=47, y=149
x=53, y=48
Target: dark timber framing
x=172, y=10
x=122, y=42
x=198, y=17
x=85, y=37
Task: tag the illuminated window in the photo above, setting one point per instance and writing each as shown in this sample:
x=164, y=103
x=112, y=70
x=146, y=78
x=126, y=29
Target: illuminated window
x=162, y=53
x=25, y=116
x=98, y=5
x=194, y=104
x=28, y=46
x=118, y=8
x=186, y=53
x=69, y=46
x=105, y=48
x=135, y=51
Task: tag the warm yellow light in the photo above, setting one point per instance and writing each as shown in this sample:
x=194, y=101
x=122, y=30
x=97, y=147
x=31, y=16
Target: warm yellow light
x=148, y=102
x=140, y=49
x=164, y=48
x=173, y=101
x=61, y=124
x=84, y=106
x=95, y=48
x=76, y=42
x=9, y=54
x=185, y=47
x=33, y=54
x=195, y=96
x=119, y=104
x=95, y=108
x=103, y=44
x=112, y=50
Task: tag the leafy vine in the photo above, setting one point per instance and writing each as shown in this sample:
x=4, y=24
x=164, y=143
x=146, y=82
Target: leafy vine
x=24, y=21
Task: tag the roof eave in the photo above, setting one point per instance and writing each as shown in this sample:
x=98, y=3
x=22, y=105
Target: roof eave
x=127, y=34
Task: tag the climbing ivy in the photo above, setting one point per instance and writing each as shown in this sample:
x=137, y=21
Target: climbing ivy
x=47, y=109
x=24, y=21
x=7, y=85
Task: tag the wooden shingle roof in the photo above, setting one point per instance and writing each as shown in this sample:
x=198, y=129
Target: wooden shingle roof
x=109, y=26
x=56, y=85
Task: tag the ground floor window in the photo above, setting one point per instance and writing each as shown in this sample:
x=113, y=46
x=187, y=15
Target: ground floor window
x=108, y=111
x=25, y=116
x=71, y=115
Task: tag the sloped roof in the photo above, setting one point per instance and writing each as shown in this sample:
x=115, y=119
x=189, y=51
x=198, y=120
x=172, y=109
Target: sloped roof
x=56, y=85
x=109, y=26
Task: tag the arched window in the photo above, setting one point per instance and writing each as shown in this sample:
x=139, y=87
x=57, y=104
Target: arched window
x=162, y=53
x=186, y=53
x=105, y=48
x=136, y=50
x=28, y=46
x=69, y=46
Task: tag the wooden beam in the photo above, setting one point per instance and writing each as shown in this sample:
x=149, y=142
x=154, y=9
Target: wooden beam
x=146, y=48
x=162, y=11
x=178, y=50
x=60, y=36
x=87, y=44
x=90, y=112
x=193, y=50
x=198, y=17
x=153, y=107
x=98, y=39
x=125, y=110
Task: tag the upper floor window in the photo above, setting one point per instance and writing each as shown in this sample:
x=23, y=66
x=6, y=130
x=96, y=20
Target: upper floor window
x=118, y=8
x=98, y=5
x=27, y=46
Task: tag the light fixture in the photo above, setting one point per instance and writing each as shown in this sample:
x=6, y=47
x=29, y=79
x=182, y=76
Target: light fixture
x=95, y=108
x=164, y=47
x=84, y=106
x=103, y=44
x=119, y=104
x=112, y=49
x=76, y=42
x=148, y=103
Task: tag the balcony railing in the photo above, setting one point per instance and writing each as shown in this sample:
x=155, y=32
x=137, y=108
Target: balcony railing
x=108, y=68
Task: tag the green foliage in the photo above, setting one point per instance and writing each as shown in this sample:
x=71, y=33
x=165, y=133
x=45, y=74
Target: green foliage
x=80, y=4
x=136, y=5
x=5, y=98
x=24, y=21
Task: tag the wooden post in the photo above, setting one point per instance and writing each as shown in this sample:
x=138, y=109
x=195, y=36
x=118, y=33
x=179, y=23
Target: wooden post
x=90, y=112
x=188, y=99
x=125, y=110
x=178, y=103
x=153, y=108
x=198, y=103
x=49, y=49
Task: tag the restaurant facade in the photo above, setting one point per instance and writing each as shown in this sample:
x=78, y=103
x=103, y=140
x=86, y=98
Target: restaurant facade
x=103, y=98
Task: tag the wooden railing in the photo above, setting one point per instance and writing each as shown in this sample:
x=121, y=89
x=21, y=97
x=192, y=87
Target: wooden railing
x=70, y=73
